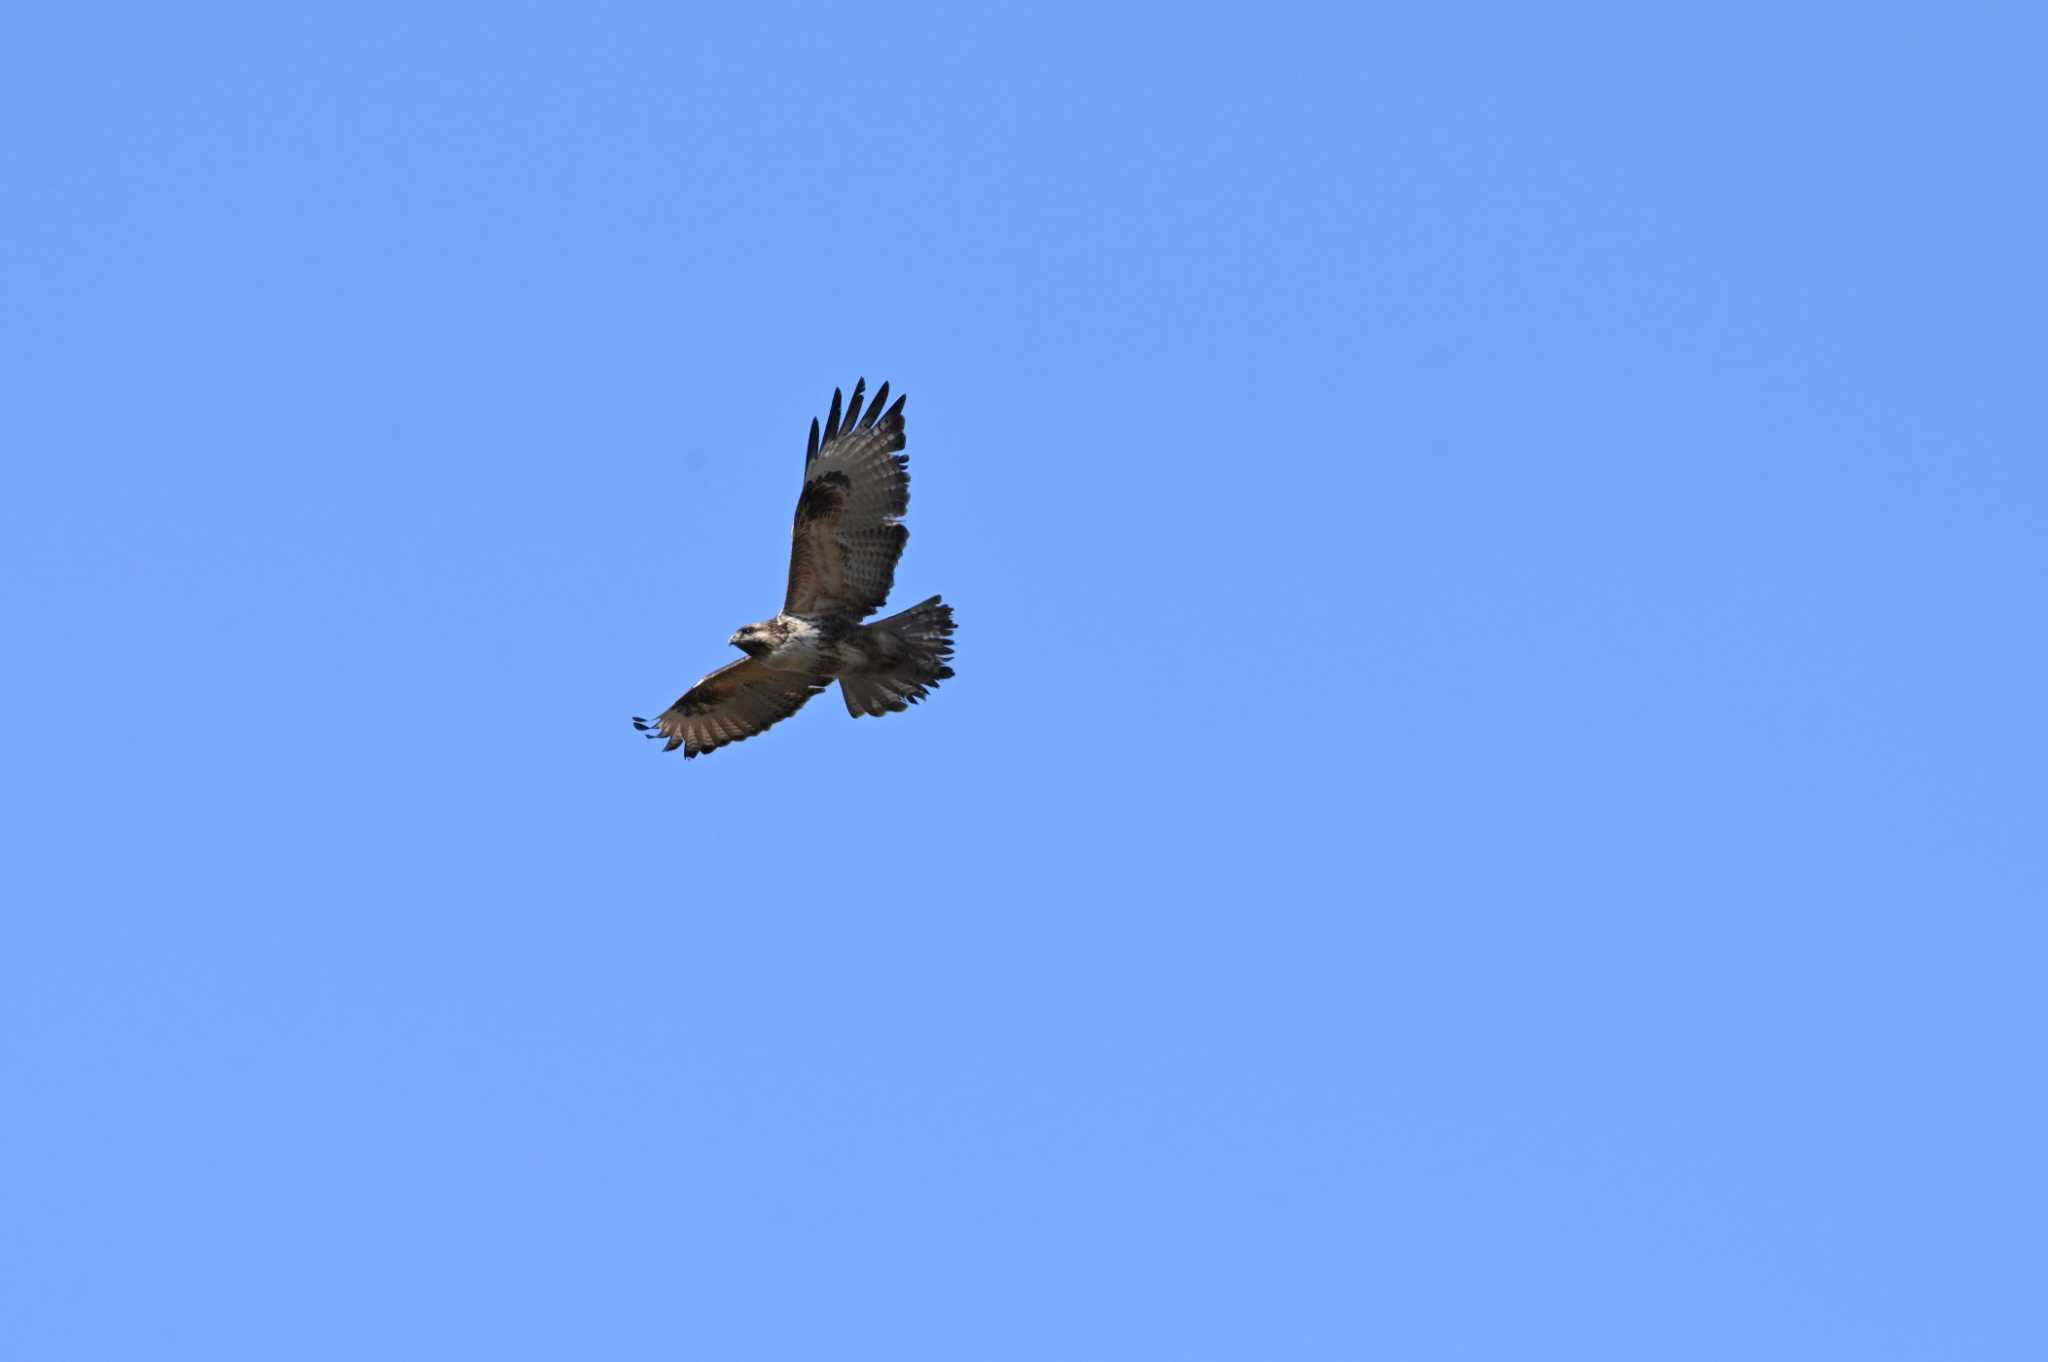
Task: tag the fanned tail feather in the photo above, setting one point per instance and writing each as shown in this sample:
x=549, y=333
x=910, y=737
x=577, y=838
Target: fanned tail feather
x=926, y=630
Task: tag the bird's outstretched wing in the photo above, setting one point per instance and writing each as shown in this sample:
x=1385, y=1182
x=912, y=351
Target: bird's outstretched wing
x=848, y=535
x=730, y=705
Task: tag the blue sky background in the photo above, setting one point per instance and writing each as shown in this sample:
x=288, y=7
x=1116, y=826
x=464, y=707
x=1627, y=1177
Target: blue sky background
x=1493, y=801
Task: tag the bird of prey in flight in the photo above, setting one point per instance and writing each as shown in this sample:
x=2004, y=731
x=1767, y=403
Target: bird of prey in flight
x=842, y=562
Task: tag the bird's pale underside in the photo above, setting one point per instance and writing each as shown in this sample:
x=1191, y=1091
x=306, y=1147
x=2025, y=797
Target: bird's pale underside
x=848, y=536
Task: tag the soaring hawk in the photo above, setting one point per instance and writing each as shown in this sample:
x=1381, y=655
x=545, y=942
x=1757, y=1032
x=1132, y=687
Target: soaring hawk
x=842, y=562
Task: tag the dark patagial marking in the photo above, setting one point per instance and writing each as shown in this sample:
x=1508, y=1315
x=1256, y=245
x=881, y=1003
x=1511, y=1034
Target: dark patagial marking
x=823, y=497
x=703, y=698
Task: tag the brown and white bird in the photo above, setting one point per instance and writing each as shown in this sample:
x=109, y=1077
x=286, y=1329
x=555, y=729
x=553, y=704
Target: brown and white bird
x=842, y=562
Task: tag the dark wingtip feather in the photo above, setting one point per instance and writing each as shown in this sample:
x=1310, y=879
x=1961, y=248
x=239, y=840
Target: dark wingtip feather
x=812, y=452
x=860, y=387
x=896, y=411
x=832, y=418
x=875, y=407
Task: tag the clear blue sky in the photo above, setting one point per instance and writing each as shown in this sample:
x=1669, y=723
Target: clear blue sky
x=1493, y=804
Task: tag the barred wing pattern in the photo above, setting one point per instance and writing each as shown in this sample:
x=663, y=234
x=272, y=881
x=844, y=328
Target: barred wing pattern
x=848, y=534
x=731, y=705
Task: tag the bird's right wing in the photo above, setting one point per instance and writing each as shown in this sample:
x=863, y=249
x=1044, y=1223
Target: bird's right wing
x=730, y=705
x=849, y=521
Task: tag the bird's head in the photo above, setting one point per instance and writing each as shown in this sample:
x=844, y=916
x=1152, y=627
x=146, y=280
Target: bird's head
x=753, y=640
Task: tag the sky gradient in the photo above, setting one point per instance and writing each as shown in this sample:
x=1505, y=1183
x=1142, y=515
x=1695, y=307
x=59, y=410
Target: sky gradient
x=1493, y=801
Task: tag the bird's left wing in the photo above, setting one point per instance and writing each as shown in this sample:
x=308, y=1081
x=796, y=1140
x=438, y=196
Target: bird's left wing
x=849, y=531
x=730, y=705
